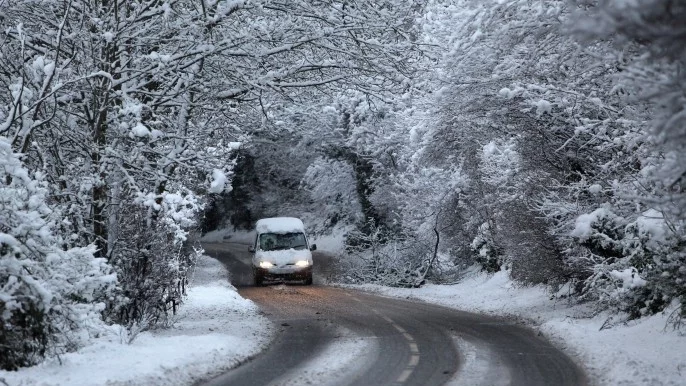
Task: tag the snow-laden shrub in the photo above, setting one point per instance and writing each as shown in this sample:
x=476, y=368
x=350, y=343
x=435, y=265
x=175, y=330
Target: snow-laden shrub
x=153, y=255
x=599, y=237
x=51, y=297
x=634, y=265
x=488, y=254
x=657, y=252
x=380, y=258
x=669, y=280
x=601, y=232
x=646, y=239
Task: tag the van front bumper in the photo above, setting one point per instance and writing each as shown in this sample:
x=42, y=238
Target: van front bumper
x=284, y=273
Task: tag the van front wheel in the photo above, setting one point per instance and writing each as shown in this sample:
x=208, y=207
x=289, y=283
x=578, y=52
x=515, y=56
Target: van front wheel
x=308, y=279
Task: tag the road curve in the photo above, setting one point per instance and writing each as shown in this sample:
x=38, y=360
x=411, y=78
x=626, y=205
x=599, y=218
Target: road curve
x=416, y=343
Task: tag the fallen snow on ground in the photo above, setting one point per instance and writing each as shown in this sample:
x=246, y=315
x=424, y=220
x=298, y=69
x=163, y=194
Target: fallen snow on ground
x=643, y=352
x=216, y=329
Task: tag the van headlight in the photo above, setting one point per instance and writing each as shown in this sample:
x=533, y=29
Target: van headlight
x=302, y=263
x=266, y=264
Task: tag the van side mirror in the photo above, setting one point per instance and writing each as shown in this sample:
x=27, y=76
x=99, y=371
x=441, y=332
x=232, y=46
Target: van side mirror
x=251, y=249
x=313, y=247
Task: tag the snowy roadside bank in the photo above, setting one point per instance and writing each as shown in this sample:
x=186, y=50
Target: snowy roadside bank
x=216, y=329
x=641, y=352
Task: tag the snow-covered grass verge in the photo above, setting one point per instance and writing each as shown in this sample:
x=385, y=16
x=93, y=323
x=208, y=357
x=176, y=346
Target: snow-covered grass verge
x=643, y=352
x=216, y=329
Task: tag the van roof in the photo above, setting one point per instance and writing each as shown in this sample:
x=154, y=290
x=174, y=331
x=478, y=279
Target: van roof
x=279, y=225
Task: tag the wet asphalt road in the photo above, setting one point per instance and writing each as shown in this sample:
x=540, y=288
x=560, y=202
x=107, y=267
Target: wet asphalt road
x=416, y=343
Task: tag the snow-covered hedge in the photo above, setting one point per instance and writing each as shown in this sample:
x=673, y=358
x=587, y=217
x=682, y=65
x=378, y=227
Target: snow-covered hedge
x=51, y=297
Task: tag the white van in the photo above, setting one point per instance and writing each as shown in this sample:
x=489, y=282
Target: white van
x=281, y=250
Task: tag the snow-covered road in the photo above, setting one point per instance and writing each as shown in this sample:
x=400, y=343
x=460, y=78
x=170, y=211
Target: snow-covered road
x=334, y=336
x=393, y=341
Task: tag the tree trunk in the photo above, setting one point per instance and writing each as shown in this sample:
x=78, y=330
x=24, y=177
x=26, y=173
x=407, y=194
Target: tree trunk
x=101, y=102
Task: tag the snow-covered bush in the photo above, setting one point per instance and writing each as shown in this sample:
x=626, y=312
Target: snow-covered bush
x=51, y=297
x=653, y=248
x=488, y=254
x=632, y=264
x=153, y=256
x=601, y=232
x=382, y=258
x=668, y=283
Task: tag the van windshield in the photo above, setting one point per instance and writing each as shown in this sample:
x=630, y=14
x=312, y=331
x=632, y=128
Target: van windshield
x=278, y=241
